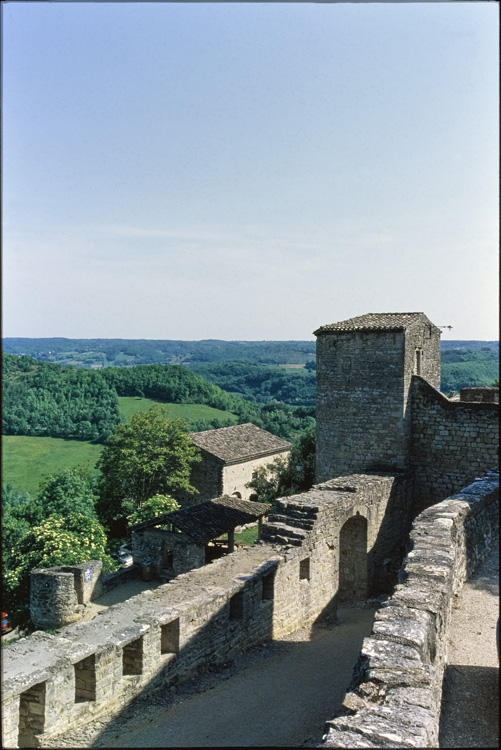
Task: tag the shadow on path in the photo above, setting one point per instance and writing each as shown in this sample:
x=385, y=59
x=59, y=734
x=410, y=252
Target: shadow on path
x=277, y=694
x=470, y=699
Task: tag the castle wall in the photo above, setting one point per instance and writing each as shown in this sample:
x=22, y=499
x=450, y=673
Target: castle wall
x=480, y=393
x=201, y=618
x=453, y=442
x=395, y=696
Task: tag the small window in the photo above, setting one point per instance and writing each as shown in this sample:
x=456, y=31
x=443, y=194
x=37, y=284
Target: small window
x=132, y=657
x=237, y=606
x=268, y=587
x=31, y=715
x=304, y=569
x=170, y=637
x=417, y=363
x=85, y=679
x=346, y=363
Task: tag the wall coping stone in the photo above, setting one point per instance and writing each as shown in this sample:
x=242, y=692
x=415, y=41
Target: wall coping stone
x=407, y=647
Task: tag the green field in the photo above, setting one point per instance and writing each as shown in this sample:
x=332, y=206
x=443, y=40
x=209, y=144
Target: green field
x=26, y=461
x=130, y=405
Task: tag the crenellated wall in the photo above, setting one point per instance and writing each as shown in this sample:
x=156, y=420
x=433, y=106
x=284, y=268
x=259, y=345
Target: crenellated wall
x=395, y=696
x=204, y=617
x=480, y=393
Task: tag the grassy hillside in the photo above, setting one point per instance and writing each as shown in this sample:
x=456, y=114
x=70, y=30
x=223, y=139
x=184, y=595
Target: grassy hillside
x=28, y=460
x=130, y=405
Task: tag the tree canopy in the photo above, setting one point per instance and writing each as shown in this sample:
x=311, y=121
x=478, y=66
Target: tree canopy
x=288, y=476
x=155, y=506
x=150, y=455
x=63, y=494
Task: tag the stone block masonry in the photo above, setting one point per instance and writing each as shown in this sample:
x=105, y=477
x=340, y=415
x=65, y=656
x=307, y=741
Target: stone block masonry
x=453, y=442
x=395, y=696
x=207, y=616
x=58, y=596
x=364, y=373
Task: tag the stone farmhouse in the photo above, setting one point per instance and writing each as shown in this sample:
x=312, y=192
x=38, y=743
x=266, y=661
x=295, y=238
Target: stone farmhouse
x=230, y=456
x=406, y=481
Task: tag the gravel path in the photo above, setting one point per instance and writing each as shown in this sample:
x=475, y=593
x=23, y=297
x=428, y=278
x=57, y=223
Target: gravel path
x=470, y=701
x=278, y=694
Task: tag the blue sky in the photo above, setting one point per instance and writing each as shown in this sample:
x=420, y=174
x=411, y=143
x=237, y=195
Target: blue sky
x=248, y=170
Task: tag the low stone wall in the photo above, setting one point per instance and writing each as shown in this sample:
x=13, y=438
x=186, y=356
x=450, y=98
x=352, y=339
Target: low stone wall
x=58, y=595
x=395, y=696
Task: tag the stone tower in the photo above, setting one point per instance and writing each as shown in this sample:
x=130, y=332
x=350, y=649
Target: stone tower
x=364, y=370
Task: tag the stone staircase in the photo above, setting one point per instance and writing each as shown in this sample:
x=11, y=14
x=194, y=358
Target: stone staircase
x=289, y=524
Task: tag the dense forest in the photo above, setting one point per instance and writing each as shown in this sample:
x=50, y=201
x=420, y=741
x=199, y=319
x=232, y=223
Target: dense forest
x=46, y=399
x=262, y=383
x=463, y=367
x=50, y=400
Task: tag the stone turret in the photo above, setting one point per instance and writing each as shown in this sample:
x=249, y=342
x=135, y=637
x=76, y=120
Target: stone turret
x=364, y=370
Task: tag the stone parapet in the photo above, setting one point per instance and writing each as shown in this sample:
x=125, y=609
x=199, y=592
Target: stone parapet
x=395, y=695
x=206, y=616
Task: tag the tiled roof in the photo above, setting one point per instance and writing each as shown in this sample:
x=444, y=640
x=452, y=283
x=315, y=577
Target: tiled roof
x=239, y=442
x=209, y=520
x=376, y=322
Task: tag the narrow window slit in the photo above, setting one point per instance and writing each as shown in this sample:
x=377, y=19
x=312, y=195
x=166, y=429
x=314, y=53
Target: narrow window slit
x=304, y=569
x=85, y=679
x=237, y=606
x=170, y=637
x=132, y=657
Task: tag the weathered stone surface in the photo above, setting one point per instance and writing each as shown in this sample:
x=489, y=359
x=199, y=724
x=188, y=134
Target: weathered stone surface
x=406, y=652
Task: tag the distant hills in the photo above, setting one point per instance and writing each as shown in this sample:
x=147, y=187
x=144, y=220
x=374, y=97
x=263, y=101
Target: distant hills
x=275, y=369
x=97, y=353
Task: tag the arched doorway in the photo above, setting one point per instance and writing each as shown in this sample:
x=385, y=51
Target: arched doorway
x=353, y=560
